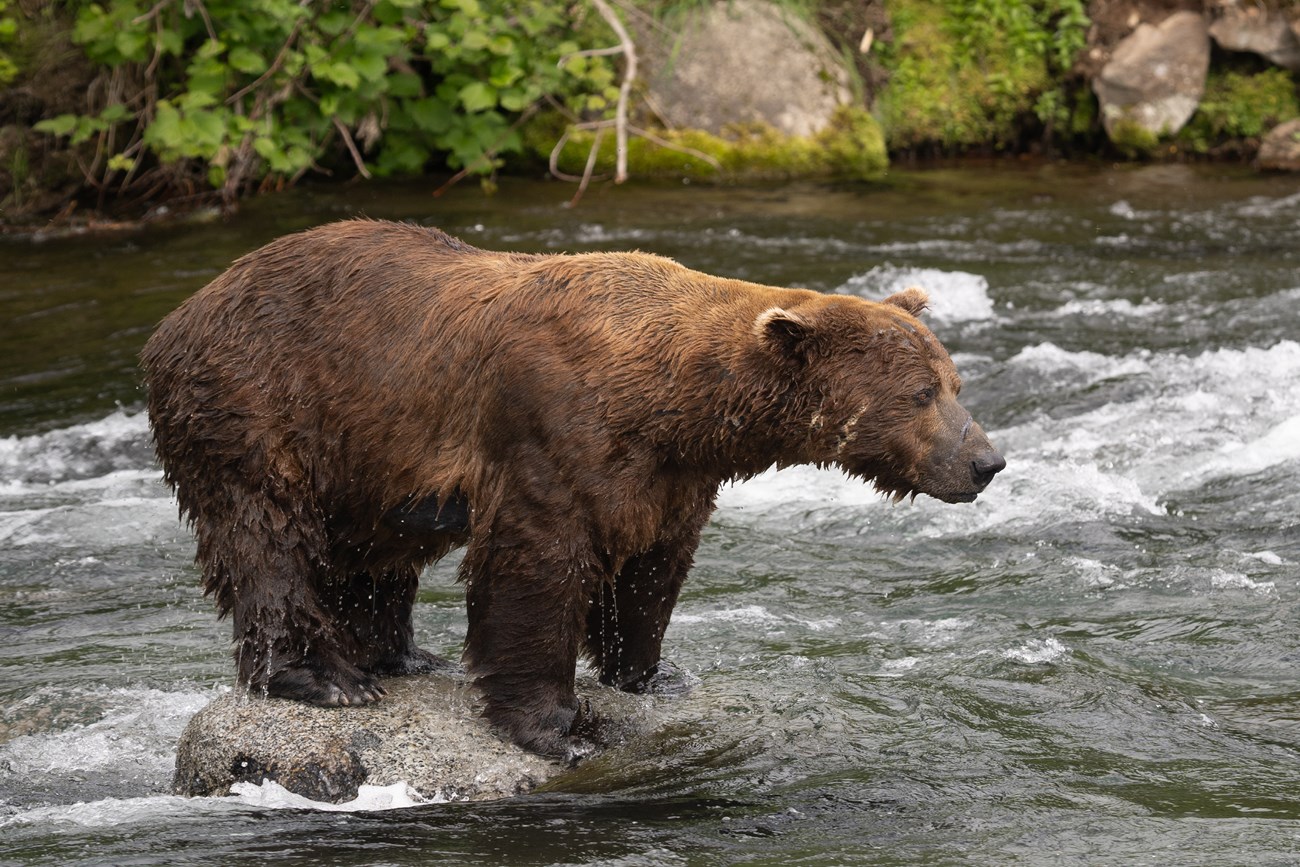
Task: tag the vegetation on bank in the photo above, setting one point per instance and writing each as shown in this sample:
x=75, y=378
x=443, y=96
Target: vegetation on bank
x=975, y=73
x=221, y=97
x=236, y=94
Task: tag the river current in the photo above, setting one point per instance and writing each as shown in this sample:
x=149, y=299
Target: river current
x=1095, y=663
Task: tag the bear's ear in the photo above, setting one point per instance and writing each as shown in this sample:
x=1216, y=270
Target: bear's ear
x=784, y=332
x=912, y=299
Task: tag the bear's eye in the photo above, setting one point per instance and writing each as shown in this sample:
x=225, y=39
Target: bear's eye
x=925, y=396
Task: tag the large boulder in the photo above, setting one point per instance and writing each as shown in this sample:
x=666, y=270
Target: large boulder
x=426, y=733
x=1258, y=30
x=741, y=62
x=1155, y=78
x=1280, y=149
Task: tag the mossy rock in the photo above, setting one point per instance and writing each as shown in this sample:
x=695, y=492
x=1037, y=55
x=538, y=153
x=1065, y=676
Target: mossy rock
x=852, y=146
x=1134, y=140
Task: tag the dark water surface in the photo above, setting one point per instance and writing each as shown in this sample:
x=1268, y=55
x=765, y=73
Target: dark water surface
x=1096, y=663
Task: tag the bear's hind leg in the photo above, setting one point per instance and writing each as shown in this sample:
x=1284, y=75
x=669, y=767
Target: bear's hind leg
x=262, y=560
x=376, y=608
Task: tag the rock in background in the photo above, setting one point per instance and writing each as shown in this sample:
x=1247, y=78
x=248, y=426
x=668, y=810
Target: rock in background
x=1155, y=78
x=426, y=733
x=743, y=62
x=1268, y=33
x=1280, y=150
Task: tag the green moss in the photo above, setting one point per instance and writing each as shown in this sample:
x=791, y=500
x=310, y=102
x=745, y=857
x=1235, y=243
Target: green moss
x=1133, y=139
x=1238, y=105
x=851, y=147
x=971, y=72
x=8, y=33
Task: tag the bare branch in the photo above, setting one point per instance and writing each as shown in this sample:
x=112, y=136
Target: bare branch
x=352, y=149
x=624, y=90
x=683, y=149
x=591, y=165
x=591, y=52
x=270, y=70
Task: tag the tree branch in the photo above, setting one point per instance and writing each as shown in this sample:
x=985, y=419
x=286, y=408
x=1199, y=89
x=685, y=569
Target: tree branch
x=352, y=149
x=624, y=90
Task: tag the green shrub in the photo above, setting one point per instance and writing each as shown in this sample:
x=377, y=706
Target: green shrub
x=8, y=31
x=968, y=72
x=233, y=93
x=1237, y=105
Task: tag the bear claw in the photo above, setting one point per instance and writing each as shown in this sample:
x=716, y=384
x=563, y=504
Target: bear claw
x=327, y=689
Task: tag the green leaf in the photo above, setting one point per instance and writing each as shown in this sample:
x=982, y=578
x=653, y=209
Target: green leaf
x=132, y=44
x=64, y=124
x=247, y=60
x=164, y=134
x=478, y=96
x=211, y=48
x=468, y=7
x=115, y=113
x=475, y=40
x=170, y=42
x=371, y=67
x=404, y=84
x=430, y=114
x=515, y=99
x=338, y=73
x=334, y=23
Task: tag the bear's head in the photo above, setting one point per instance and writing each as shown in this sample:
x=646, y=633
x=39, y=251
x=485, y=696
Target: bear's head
x=883, y=395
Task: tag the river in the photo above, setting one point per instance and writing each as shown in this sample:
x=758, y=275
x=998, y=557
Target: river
x=1095, y=663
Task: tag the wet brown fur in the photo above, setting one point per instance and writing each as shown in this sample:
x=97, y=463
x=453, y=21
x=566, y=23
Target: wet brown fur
x=329, y=406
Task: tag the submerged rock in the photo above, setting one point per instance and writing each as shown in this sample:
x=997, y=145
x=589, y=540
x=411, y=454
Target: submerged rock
x=1280, y=149
x=1155, y=78
x=426, y=733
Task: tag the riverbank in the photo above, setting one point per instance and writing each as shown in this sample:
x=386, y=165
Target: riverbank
x=113, y=112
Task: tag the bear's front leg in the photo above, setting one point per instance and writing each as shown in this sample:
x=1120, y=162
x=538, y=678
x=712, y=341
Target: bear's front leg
x=626, y=624
x=527, y=612
x=262, y=550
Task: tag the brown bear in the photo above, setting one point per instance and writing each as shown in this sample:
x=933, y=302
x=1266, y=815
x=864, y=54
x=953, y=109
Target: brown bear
x=346, y=405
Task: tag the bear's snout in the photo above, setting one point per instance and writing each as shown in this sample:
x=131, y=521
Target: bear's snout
x=985, y=467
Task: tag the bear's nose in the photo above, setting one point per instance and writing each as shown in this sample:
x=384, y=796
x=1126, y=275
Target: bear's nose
x=986, y=466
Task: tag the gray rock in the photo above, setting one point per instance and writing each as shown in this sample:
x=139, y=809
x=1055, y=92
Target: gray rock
x=426, y=733
x=1156, y=76
x=744, y=61
x=1280, y=149
x=1260, y=31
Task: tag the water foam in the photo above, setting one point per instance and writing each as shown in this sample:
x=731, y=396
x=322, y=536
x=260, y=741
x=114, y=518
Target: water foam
x=136, y=733
x=955, y=296
x=752, y=615
x=111, y=812
x=1224, y=412
x=1110, y=308
x=1037, y=651
x=369, y=798
x=116, y=442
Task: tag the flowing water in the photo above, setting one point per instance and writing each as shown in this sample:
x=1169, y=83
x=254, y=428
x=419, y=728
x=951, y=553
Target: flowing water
x=1095, y=663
